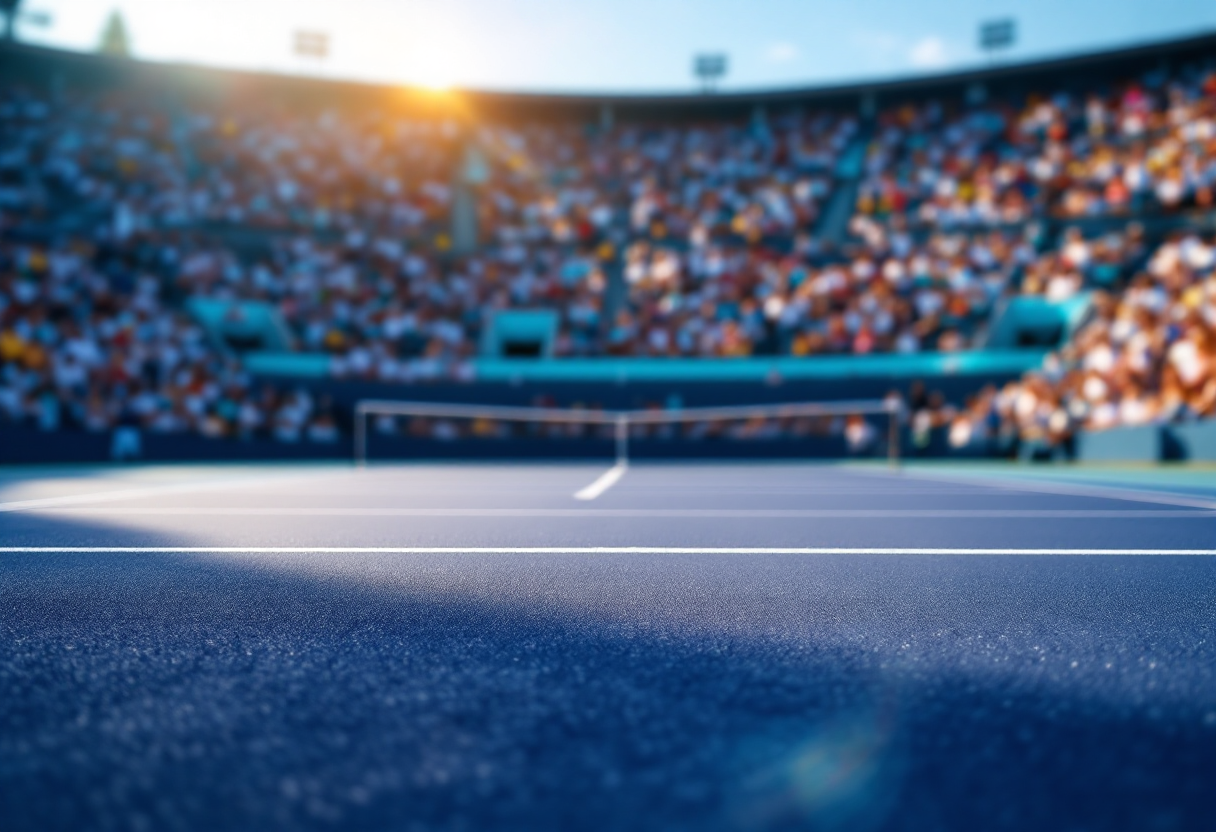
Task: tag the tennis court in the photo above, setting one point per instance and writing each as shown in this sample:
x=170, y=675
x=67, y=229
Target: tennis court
x=513, y=646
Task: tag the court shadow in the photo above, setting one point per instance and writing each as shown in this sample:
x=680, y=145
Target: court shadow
x=153, y=691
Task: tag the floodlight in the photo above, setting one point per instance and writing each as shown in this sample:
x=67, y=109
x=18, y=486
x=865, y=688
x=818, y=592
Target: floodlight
x=709, y=68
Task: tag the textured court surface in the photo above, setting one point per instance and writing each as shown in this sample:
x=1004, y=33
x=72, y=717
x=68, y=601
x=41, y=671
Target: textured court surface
x=293, y=689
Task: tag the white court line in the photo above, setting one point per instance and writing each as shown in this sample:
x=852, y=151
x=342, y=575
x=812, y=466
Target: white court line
x=1066, y=489
x=606, y=480
x=688, y=513
x=136, y=493
x=568, y=550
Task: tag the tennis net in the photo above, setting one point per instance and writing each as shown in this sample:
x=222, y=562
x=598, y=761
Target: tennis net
x=415, y=428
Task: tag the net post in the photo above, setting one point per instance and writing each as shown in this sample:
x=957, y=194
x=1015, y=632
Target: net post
x=360, y=436
x=622, y=439
x=894, y=412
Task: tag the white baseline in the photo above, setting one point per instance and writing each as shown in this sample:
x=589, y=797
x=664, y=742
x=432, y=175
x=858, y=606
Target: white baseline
x=682, y=513
x=573, y=550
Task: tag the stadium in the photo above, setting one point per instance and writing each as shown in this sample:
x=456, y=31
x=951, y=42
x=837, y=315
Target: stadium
x=833, y=457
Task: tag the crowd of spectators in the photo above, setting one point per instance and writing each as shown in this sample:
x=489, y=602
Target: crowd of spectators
x=890, y=293
x=87, y=342
x=151, y=164
x=385, y=311
x=1079, y=262
x=114, y=211
x=693, y=184
x=163, y=163
x=371, y=276
x=1147, y=355
x=1138, y=147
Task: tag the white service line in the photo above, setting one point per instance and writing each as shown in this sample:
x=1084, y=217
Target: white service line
x=570, y=550
x=606, y=480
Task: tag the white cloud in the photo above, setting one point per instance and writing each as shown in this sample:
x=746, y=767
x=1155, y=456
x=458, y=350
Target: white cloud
x=782, y=53
x=928, y=52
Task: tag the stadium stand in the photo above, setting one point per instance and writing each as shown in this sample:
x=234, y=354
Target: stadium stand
x=1133, y=146
x=157, y=244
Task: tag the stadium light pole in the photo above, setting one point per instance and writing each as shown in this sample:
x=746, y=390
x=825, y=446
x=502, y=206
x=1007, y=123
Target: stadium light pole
x=10, y=9
x=709, y=69
x=311, y=46
x=996, y=35
x=13, y=13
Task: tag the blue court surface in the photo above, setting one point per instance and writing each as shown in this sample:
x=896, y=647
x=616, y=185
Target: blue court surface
x=524, y=647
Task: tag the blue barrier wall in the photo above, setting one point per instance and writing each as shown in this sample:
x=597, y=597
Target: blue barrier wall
x=1037, y=320
x=920, y=365
x=623, y=370
x=293, y=365
x=22, y=445
x=537, y=327
x=1136, y=444
x=1195, y=441
x=232, y=323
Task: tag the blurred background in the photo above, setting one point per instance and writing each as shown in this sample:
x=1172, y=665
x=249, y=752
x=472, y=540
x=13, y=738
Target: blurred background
x=223, y=224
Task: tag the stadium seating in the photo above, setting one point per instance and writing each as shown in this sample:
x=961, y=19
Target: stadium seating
x=1135, y=146
x=146, y=252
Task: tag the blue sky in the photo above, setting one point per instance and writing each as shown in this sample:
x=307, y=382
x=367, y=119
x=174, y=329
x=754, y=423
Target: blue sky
x=612, y=45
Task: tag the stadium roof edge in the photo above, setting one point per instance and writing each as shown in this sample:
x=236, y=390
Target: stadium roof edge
x=31, y=62
x=1055, y=64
